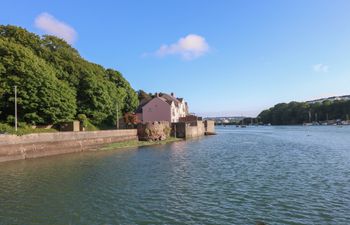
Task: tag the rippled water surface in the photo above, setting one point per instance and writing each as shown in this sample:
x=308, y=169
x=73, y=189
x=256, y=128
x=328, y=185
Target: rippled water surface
x=279, y=175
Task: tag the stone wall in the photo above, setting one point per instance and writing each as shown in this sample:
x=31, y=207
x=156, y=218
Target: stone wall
x=179, y=129
x=188, y=129
x=190, y=118
x=14, y=147
x=195, y=130
x=209, y=126
x=192, y=129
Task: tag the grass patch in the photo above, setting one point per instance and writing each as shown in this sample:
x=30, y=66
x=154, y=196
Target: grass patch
x=28, y=130
x=136, y=143
x=90, y=127
x=6, y=129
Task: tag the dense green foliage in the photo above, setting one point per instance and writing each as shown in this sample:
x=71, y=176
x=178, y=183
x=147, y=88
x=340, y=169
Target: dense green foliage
x=302, y=112
x=143, y=96
x=56, y=84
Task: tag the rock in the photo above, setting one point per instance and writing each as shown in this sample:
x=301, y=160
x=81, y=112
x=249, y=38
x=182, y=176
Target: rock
x=154, y=131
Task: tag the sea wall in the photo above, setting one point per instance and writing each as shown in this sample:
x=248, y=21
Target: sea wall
x=192, y=129
x=195, y=130
x=28, y=146
x=209, y=126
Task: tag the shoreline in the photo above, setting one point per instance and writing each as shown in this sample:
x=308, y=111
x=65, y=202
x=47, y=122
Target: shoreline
x=35, y=145
x=137, y=144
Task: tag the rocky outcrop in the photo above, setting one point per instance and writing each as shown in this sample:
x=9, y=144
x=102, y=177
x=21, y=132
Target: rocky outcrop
x=154, y=131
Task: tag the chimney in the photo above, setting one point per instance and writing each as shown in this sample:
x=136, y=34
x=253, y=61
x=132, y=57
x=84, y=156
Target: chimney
x=172, y=94
x=157, y=94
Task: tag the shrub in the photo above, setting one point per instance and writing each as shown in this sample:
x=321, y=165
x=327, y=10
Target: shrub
x=10, y=119
x=22, y=125
x=90, y=126
x=5, y=128
x=83, y=120
x=23, y=129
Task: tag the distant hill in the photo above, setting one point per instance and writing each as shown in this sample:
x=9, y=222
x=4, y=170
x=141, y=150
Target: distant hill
x=332, y=108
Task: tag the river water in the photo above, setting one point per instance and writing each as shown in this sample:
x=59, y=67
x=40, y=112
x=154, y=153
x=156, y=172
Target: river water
x=278, y=175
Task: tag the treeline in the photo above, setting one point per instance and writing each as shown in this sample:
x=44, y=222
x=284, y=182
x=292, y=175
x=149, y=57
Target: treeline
x=56, y=84
x=302, y=112
x=143, y=96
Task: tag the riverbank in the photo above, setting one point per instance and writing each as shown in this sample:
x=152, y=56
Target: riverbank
x=137, y=143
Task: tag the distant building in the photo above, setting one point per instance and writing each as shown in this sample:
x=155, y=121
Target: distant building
x=163, y=107
x=334, y=98
x=225, y=121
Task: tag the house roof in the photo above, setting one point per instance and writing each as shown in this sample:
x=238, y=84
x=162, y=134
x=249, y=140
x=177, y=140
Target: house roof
x=169, y=99
x=162, y=96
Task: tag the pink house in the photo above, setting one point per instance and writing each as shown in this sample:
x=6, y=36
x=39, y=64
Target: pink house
x=163, y=107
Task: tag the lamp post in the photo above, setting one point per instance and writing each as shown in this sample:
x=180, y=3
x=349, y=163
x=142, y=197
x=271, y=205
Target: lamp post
x=16, y=108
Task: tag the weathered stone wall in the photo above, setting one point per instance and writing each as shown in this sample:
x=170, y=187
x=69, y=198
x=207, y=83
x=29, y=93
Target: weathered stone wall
x=188, y=129
x=179, y=129
x=154, y=131
x=14, y=147
x=209, y=126
x=192, y=129
x=195, y=130
x=190, y=118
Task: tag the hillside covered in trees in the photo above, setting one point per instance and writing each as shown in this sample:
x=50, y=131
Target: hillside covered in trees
x=302, y=112
x=56, y=84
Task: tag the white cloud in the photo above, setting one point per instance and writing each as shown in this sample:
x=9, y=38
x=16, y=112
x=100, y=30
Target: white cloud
x=190, y=47
x=50, y=25
x=321, y=68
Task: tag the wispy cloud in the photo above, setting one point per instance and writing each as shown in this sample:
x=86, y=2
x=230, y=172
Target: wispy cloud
x=320, y=68
x=189, y=47
x=50, y=25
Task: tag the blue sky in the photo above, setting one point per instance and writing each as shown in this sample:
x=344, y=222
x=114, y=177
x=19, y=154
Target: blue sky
x=224, y=57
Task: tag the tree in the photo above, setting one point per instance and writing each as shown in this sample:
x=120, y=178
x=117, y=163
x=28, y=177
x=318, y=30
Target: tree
x=131, y=99
x=40, y=98
x=99, y=100
x=298, y=112
x=143, y=96
x=131, y=118
x=55, y=82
